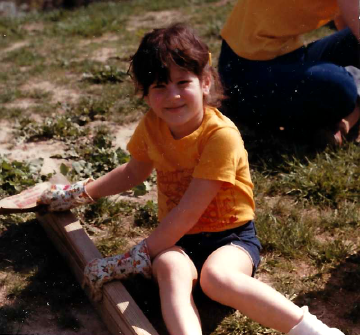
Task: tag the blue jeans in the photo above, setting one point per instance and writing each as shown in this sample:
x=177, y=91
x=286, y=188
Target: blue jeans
x=308, y=87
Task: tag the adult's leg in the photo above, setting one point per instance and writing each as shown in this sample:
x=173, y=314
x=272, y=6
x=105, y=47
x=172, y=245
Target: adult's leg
x=293, y=91
x=343, y=49
x=340, y=48
x=226, y=278
x=176, y=275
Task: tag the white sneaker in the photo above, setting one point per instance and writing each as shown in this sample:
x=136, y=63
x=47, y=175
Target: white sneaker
x=310, y=325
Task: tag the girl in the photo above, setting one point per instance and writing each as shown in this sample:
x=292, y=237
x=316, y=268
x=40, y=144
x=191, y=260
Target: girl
x=206, y=232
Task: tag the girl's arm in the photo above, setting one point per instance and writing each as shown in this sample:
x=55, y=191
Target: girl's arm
x=350, y=13
x=138, y=260
x=120, y=179
x=184, y=216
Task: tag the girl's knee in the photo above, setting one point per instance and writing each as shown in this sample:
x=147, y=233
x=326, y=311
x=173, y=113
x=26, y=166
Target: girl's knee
x=170, y=264
x=213, y=277
x=227, y=267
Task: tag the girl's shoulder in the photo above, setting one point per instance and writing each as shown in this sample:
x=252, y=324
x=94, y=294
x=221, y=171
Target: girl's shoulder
x=215, y=120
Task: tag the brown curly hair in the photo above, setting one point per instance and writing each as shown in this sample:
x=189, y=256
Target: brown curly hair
x=176, y=44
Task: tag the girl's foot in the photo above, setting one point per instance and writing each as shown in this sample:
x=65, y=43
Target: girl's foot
x=310, y=325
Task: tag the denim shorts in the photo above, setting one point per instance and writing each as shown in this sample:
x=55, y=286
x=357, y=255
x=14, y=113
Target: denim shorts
x=199, y=246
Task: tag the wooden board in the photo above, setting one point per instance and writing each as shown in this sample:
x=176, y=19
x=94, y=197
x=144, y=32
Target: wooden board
x=117, y=309
x=24, y=201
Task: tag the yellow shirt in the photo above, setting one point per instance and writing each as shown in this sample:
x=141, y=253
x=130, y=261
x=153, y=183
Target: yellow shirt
x=265, y=29
x=214, y=151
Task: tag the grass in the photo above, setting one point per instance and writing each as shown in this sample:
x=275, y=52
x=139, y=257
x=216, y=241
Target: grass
x=307, y=202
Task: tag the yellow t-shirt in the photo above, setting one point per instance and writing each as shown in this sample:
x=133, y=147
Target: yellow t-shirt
x=263, y=29
x=214, y=151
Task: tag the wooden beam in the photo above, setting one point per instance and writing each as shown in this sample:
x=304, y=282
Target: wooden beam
x=117, y=309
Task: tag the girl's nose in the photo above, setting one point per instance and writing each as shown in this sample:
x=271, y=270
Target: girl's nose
x=173, y=92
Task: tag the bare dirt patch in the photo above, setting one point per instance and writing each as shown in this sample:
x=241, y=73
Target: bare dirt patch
x=21, y=103
x=123, y=134
x=99, y=40
x=104, y=54
x=154, y=19
x=15, y=46
x=58, y=93
x=34, y=27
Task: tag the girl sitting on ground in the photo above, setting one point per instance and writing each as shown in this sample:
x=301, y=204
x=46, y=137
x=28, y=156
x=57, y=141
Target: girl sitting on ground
x=206, y=233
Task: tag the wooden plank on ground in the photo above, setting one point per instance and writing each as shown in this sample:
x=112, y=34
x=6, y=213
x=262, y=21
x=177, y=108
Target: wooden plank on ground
x=117, y=309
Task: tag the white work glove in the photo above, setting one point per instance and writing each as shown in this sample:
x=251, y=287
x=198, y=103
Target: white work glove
x=100, y=271
x=65, y=197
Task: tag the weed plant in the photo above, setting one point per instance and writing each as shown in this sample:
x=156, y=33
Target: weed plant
x=15, y=176
x=58, y=127
x=95, y=160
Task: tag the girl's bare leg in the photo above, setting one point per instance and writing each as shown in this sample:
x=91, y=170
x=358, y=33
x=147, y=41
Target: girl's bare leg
x=176, y=275
x=226, y=278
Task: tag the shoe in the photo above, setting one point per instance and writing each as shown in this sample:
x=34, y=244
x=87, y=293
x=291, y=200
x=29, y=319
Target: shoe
x=310, y=325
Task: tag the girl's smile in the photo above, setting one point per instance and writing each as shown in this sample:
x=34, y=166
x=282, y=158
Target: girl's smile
x=180, y=101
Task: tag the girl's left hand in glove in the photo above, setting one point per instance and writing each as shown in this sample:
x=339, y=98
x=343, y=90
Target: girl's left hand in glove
x=100, y=271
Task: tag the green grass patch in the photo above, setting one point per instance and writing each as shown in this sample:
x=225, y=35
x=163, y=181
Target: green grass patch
x=331, y=178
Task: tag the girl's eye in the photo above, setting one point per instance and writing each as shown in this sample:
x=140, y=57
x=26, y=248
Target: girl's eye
x=184, y=82
x=159, y=86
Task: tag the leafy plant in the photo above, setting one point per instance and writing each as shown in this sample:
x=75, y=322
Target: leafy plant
x=91, y=109
x=96, y=161
x=16, y=176
x=61, y=127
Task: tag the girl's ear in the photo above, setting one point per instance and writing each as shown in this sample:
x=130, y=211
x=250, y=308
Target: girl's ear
x=206, y=84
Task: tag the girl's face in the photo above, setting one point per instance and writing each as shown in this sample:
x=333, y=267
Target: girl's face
x=180, y=102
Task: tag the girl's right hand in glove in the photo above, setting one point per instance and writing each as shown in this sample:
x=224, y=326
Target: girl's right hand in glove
x=65, y=197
